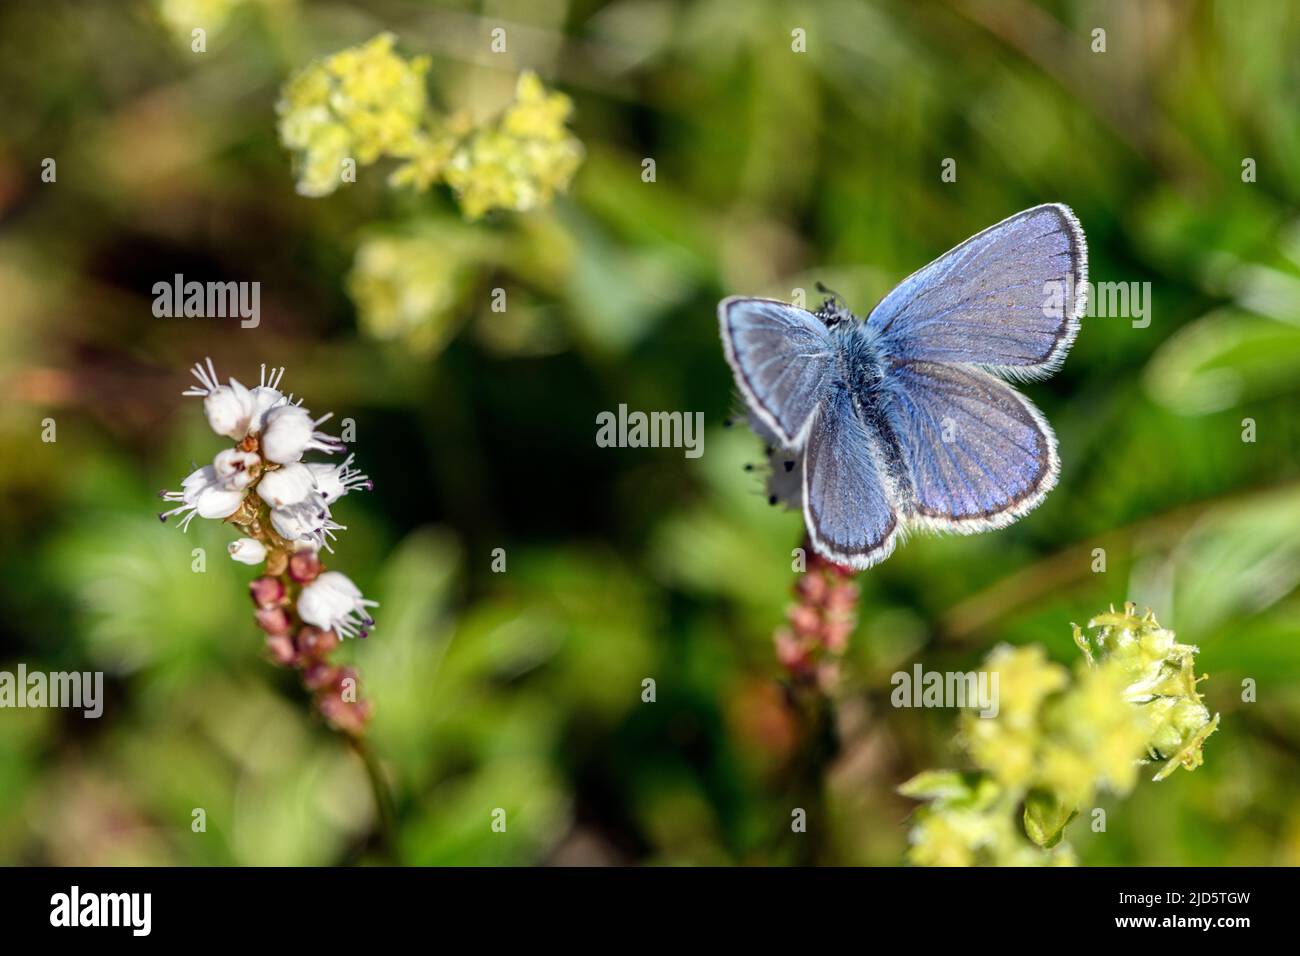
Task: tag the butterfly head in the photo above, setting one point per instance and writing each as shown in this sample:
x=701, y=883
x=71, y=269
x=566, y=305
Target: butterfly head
x=834, y=310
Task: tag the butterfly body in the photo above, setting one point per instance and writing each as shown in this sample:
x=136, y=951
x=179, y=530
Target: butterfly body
x=863, y=382
x=901, y=421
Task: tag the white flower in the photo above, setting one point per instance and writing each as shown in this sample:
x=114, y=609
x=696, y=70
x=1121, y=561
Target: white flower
x=235, y=468
x=266, y=397
x=202, y=494
x=290, y=485
x=333, y=603
x=289, y=431
x=306, y=523
x=248, y=551
x=335, y=481
x=229, y=407
x=298, y=511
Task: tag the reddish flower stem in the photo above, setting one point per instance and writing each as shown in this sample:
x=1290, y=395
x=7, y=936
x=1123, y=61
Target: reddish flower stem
x=818, y=625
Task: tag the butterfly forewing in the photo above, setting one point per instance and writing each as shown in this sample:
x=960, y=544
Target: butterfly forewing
x=1007, y=299
x=782, y=358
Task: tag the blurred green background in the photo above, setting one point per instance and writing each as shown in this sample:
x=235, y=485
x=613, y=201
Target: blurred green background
x=522, y=690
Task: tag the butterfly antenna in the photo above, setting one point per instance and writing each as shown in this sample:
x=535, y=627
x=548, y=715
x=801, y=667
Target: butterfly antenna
x=835, y=308
x=821, y=287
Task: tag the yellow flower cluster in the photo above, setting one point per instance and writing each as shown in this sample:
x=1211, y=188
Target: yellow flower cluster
x=519, y=162
x=1058, y=739
x=359, y=104
x=366, y=102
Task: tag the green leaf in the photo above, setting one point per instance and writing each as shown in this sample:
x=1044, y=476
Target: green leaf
x=1046, y=818
x=1224, y=359
x=937, y=785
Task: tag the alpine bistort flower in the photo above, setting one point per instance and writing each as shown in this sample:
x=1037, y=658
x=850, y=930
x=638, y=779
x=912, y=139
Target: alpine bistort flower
x=290, y=485
x=333, y=603
x=229, y=407
x=266, y=396
x=335, y=481
x=236, y=469
x=290, y=432
x=202, y=493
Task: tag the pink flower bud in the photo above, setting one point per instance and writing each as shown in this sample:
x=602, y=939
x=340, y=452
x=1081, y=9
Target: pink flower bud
x=805, y=619
x=315, y=643
x=319, y=675
x=273, y=620
x=281, y=648
x=304, y=566
x=836, y=634
x=812, y=587
x=266, y=591
x=789, y=652
x=349, y=717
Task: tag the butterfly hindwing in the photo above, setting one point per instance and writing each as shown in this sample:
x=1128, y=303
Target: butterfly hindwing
x=978, y=454
x=782, y=357
x=847, y=506
x=1007, y=299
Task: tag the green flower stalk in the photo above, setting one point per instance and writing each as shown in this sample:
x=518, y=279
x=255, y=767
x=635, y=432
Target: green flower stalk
x=367, y=103
x=1059, y=739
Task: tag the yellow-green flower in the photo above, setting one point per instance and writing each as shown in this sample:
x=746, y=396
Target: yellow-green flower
x=432, y=151
x=183, y=17
x=1093, y=738
x=1007, y=746
x=1161, y=682
x=409, y=286
x=521, y=162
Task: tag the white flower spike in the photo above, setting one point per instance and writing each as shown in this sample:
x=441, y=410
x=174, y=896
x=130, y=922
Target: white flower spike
x=281, y=506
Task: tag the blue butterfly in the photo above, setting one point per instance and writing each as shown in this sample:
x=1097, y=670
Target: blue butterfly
x=902, y=421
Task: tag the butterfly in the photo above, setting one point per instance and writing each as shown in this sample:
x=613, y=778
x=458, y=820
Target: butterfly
x=904, y=421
